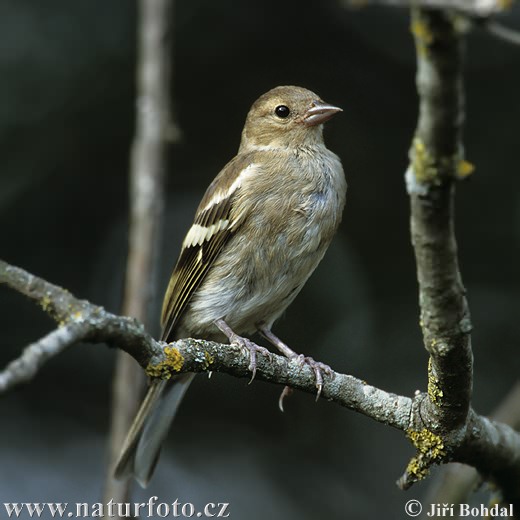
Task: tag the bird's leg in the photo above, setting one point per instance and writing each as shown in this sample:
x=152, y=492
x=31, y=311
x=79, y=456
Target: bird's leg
x=245, y=343
x=318, y=367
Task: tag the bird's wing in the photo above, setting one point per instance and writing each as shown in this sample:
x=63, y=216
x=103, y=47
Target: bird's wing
x=216, y=220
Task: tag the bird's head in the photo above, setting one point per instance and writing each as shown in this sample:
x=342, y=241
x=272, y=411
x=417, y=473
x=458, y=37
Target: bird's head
x=286, y=117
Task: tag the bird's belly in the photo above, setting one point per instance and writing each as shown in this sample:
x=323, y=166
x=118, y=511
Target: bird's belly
x=257, y=289
x=263, y=267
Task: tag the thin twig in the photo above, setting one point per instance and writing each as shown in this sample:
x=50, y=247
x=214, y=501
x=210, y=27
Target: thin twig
x=154, y=128
x=502, y=32
x=24, y=368
x=469, y=7
x=99, y=325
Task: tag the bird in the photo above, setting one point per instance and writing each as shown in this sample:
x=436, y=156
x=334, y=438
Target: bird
x=260, y=230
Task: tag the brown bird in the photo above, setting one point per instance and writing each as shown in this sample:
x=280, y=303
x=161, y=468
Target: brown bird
x=259, y=232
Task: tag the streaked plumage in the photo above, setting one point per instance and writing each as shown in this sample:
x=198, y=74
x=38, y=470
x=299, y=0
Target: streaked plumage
x=259, y=232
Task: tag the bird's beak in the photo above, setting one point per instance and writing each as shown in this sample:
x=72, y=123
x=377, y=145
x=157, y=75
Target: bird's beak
x=319, y=113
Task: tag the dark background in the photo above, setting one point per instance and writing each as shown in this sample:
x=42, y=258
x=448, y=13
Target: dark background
x=66, y=122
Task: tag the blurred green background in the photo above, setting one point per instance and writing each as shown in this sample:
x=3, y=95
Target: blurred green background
x=67, y=90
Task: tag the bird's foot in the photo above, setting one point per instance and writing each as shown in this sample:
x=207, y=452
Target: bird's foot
x=318, y=368
x=244, y=343
x=253, y=350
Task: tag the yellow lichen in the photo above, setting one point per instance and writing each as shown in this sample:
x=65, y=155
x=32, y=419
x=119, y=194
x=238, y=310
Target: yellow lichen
x=427, y=443
x=173, y=362
x=418, y=468
x=434, y=391
x=428, y=168
x=422, y=35
x=45, y=303
x=76, y=317
x=208, y=360
x=422, y=162
x=464, y=168
x=430, y=449
x=421, y=31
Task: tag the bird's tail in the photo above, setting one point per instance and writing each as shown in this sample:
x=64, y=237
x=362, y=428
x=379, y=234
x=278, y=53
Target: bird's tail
x=144, y=440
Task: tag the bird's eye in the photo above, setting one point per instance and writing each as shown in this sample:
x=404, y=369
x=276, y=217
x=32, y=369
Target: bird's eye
x=282, y=111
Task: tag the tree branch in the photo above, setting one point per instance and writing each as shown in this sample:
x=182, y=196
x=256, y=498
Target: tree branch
x=441, y=423
x=96, y=325
x=436, y=163
x=500, y=31
x=493, y=448
x=469, y=7
x=25, y=367
x=154, y=129
x=436, y=156
x=459, y=480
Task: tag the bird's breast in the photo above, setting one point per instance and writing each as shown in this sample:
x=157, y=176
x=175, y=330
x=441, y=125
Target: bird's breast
x=295, y=205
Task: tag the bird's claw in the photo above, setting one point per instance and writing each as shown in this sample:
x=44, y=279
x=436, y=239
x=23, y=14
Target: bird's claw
x=319, y=369
x=286, y=392
x=253, y=350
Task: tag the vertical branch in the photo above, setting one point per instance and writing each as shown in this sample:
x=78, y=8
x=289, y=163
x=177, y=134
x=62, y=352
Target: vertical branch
x=436, y=161
x=154, y=127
